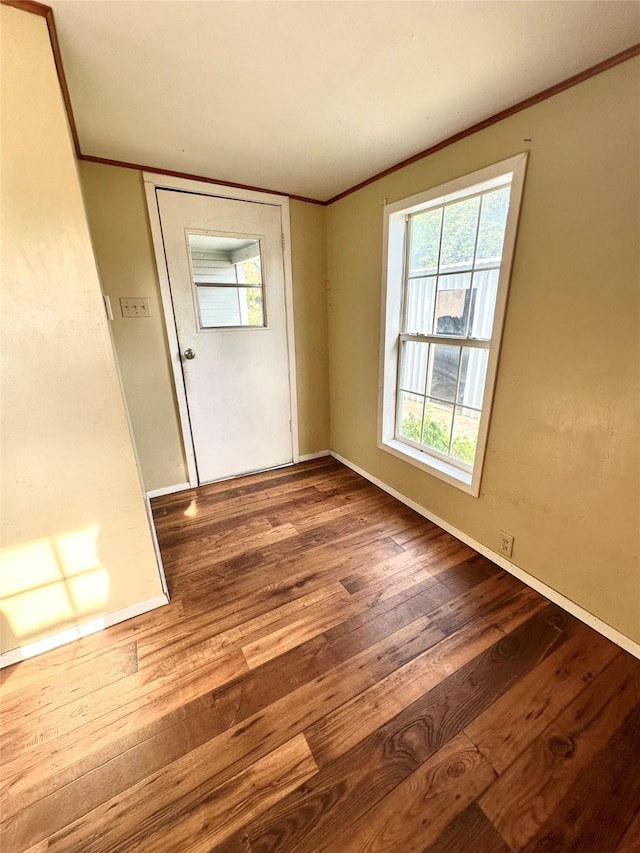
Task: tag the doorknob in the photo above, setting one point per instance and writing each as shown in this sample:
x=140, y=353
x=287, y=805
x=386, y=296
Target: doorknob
x=189, y=354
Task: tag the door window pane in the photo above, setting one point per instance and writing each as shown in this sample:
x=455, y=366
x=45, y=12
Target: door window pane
x=227, y=275
x=229, y=306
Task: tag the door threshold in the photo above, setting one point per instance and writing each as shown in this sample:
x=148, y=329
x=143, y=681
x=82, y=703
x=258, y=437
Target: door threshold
x=247, y=473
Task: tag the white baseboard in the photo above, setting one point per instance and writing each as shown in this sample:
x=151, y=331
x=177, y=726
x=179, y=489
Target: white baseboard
x=548, y=592
x=308, y=456
x=156, y=546
x=30, y=650
x=168, y=490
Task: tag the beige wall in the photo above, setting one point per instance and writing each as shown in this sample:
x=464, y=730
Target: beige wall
x=119, y=226
x=561, y=471
x=76, y=543
x=309, y=263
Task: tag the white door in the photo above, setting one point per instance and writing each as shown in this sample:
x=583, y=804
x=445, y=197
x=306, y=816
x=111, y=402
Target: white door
x=226, y=275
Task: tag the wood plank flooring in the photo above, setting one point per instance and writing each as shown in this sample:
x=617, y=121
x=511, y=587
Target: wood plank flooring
x=334, y=674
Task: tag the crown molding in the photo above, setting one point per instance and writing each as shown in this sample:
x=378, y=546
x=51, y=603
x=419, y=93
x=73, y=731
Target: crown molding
x=605, y=65
x=88, y=158
x=47, y=13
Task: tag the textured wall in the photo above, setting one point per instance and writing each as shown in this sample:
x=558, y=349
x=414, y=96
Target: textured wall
x=76, y=542
x=561, y=470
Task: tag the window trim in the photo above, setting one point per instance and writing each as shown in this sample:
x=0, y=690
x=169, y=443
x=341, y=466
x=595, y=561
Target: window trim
x=394, y=258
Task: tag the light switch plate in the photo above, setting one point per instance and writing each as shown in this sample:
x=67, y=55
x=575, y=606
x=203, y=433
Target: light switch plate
x=134, y=306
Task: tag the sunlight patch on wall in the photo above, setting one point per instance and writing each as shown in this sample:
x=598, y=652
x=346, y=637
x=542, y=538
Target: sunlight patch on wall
x=51, y=582
x=35, y=560
x=78, y=551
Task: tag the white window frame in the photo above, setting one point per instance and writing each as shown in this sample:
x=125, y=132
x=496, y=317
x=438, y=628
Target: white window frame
x=395, y=230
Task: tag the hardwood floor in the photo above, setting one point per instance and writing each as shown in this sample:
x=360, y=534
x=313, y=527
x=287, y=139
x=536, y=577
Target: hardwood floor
x=334, y=673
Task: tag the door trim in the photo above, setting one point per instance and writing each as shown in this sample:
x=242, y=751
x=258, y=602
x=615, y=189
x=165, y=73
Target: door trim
x=153, y=182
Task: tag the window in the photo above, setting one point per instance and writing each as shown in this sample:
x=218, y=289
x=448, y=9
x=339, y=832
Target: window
x=227, y=277
x=448, y=262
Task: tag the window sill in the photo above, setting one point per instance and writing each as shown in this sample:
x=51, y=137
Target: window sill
x=462, y=480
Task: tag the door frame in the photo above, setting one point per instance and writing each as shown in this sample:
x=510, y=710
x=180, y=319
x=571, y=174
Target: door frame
x=153, y=182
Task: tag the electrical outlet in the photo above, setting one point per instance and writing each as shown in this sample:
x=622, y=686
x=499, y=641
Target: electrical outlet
x=134, y=306
x=505, y=543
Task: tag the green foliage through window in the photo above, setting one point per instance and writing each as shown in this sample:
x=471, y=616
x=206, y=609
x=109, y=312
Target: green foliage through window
x=464, y=449
x=254, y=306
x=454, y=244
x=435, y=434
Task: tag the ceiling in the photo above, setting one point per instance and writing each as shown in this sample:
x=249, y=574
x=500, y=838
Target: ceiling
x=311, y=97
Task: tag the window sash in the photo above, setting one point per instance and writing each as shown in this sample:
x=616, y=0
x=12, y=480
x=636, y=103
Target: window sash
x=461, y=271
x=454, y=404
x=437, y=273
x=453, y=340
x=462, y=197
x=457, y=341
x=227, y=284
x=431, y=451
